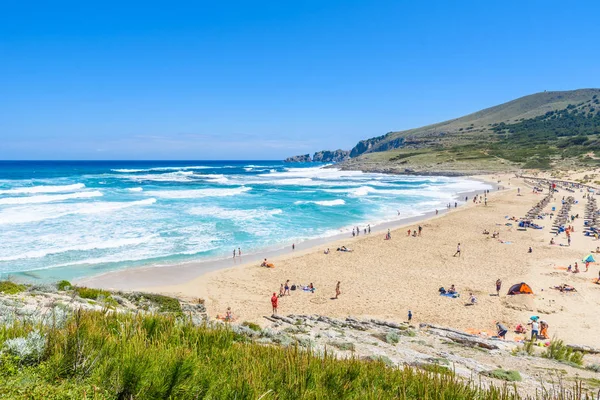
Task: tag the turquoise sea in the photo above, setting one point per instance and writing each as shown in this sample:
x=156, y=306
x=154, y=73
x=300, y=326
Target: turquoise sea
x=73, y=219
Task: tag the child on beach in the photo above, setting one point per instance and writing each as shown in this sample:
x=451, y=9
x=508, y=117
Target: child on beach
x=498, y=287
x=457, y=251
x=337, y=289
x=281, y=291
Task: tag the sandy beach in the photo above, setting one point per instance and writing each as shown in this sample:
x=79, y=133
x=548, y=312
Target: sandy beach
x=386, y=278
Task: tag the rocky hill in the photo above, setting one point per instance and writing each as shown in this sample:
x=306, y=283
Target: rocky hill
x=322, y=156
x=479, y=125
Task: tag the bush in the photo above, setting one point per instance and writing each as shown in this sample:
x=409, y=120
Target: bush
x=9, y=287
x=392, y=338
x=345, y=346
x=560, y=352
x=593, y=367
x=90, y=293
x=28, y=349
x=505, y=375
x=63, y=285
x=252, y=325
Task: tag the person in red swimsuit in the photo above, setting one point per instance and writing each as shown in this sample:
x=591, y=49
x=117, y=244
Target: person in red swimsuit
x=274, y=301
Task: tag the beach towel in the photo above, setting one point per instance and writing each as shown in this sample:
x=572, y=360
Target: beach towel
x=451, y=295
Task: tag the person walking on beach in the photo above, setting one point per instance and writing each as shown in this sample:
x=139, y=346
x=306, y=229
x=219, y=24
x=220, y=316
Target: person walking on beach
x=286, y=288
x=239, y=252
x=274, y=301
x=353, y=232
x=369, y=227
x=293, y=246
x=420, y=229
x=337, y=290
x=409, y=316
x=233, y=253
x=281, y=291
x=457, y=251
x=498, y=287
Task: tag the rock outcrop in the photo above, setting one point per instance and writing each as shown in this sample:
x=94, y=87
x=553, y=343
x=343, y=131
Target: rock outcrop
x=331, y=156
x=321, y=156
x=302, y=158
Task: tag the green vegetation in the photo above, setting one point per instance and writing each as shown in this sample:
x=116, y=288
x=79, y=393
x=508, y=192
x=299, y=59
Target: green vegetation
x=9, y=287
x=90, y=293
x=346, y=346
x=124, y=356
x=505, y=375
x=252, y=325
x=560, y=352
x=534, y=132
x=163, y=304
x=63, y=285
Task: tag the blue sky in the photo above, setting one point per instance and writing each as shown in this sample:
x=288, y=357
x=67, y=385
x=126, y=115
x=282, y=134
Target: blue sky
x=264, y=80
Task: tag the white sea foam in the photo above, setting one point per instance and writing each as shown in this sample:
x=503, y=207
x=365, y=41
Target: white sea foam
x=164, y=169
x=327, y=203
x=135, y=189
x=44, y=189
x=198, y=193
x=49, y=198
x=179, y=176
x=234, y=214
x=18, y=215
x=108, y=244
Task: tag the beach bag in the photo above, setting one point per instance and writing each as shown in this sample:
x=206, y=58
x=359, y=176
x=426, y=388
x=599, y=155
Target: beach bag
x=293, y=287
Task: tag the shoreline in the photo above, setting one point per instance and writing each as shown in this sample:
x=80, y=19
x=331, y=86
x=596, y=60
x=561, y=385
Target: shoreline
x=172, y=274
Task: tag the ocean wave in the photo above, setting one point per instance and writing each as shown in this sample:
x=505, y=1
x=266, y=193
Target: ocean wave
x=179, y=176
x=326, y=203
x=44, y=189
x=19, y=215
x=136, y=189
x=49, y=198
x=234, y=214
x=198, y=193
x=108, y=244
x=164, y=169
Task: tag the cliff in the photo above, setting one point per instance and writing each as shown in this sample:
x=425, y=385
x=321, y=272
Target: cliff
x=302, y=158
x=331, y=156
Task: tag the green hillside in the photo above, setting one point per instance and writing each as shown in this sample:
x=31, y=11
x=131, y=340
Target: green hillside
x=535, y=131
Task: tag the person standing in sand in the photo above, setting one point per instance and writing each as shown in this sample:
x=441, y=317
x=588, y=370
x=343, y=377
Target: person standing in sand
x=498, y=287
x=286, y=288
x=281, y=291
x=457, y=251
x=337, y=290
x=233, y=253
x=239, y=252
x=274, y=301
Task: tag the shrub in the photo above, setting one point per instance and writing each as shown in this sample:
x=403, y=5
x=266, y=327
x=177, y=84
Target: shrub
x=345, y=346
x=90, y=293
x=63, y=285
x=560, y=352
x=252, y=325
x=28, y=349
x=392, y=338
x=505, y=375
x=9, y=287
x=594, y=367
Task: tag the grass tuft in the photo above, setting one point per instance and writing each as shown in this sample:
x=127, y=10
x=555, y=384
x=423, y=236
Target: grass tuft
x=8, y=287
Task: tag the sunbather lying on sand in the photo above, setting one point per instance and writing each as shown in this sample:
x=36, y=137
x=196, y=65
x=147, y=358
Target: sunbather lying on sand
x=565, y=288
x=344, y=248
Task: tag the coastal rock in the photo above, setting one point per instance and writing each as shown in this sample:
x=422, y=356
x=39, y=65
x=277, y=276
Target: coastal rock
x=331, y=156
x=301, y=158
